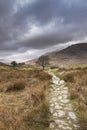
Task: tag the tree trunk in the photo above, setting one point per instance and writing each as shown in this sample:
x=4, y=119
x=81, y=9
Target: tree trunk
x=43, y=67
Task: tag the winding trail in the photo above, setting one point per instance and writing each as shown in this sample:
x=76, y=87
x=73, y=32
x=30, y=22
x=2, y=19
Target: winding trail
x=61, y=109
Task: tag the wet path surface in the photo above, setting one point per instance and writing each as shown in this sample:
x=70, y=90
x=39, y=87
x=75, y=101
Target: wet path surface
x=61, y=109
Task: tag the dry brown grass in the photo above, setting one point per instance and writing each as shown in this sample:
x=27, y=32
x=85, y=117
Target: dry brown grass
x=77, y=82
x=22, y=98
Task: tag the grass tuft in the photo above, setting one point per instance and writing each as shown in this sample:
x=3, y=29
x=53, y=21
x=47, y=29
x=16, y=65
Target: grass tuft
x=16, y=86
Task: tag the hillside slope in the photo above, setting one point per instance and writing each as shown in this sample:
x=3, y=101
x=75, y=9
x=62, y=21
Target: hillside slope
x=2, y=64
x=73, y=55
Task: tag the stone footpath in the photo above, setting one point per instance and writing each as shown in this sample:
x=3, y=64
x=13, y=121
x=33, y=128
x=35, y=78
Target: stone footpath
x=61, y=109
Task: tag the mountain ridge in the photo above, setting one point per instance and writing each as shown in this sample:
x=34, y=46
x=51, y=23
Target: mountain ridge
x=72, y=55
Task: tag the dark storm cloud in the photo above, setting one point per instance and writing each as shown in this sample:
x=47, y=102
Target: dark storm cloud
x=45, y=10
x=41, y=12
x=69, y=20
x=6, y=10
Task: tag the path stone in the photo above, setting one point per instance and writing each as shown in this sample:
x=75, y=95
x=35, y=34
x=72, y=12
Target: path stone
x=61, y=114
x=60, y=108
x=72, y=115
x=65, y=101
x=60, y=97
x=52, y=125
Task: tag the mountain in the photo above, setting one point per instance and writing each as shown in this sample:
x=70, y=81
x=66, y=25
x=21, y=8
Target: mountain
x=2, y=64
x=72, y=55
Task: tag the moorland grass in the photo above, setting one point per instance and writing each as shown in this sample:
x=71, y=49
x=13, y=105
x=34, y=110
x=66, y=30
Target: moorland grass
x=76, y=79
x=22, y=99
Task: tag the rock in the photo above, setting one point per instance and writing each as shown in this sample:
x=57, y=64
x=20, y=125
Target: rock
x=72, y=115
x=61, y=113
x=52, y=125
x=54, y=99
x=64, y=92
x=55, y=114
x=65, y=101
x=58, y=107
x=51, y=110
x=61, y=82
x=60, y=97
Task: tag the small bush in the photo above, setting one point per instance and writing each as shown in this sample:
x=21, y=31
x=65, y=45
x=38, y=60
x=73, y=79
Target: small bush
x=16, y=86
x=69, y=78
x=73, y=94
x=54, y=67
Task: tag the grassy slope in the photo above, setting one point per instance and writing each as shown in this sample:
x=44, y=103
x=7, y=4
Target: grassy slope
x=22, y=98
x=76, y=78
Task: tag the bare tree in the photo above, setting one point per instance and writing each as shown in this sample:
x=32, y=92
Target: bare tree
x=43, y=61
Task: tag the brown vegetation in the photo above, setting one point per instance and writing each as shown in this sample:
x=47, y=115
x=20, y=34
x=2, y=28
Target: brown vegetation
x=76, y=79
x=22, y=98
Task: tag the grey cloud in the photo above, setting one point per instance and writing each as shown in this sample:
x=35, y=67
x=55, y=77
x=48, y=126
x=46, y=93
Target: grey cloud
x=41, y=12
x=45, y=10
x=6, y=10
x=15, y=20
x=6, y=7
x=47, y=38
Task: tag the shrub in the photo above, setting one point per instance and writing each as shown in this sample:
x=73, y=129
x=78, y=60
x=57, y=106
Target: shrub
x=16, y=86
x=73, y=94
x=69, y=78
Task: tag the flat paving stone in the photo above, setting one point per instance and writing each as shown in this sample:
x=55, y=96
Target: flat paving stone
x=52, y=125
x=60, y=107
x=65, y=101
x=72, y=115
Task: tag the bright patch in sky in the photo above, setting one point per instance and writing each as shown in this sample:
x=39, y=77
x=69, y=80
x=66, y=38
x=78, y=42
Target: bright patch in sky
x=22, y=2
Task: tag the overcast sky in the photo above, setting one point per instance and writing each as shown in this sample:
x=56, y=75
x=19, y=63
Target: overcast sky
x=29, y=28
